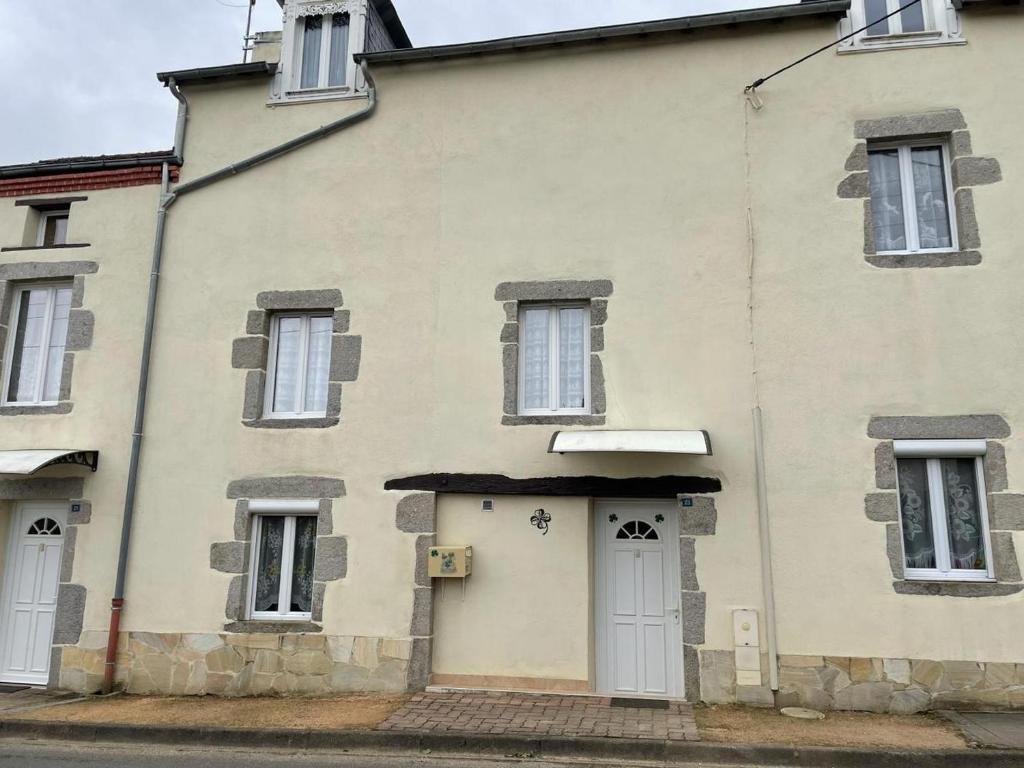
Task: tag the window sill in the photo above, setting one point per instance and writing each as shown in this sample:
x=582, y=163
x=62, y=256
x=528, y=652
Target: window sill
x=890, y=42
x=564, y=419
x=283, y=627
x=43, y=247
x=956, y=588
x=36, y=410
x=924, y=259
x=313, y=96
x=322, y=422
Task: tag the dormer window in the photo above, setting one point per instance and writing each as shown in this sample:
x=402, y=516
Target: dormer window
x=927, y=22
x=324, y=51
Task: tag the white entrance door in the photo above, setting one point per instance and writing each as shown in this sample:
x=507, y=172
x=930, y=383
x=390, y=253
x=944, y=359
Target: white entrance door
x=31, y=578
x=639, y=635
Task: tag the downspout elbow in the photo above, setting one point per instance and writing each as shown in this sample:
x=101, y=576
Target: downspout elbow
x=180, y=123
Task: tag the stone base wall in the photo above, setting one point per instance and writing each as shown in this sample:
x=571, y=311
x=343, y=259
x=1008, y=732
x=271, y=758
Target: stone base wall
x=240, y=664
x=897, y=686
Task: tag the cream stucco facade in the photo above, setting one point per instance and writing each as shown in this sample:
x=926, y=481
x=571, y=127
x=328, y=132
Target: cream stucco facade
x=738, y=278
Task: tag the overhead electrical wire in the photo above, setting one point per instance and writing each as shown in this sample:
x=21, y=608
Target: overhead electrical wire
x=762, y=80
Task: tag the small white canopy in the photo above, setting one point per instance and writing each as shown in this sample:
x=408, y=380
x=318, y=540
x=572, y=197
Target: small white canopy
x=30, y=461
x=696, y=442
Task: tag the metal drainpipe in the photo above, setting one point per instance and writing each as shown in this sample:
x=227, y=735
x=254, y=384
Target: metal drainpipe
x=764, y=526
x=167, y=199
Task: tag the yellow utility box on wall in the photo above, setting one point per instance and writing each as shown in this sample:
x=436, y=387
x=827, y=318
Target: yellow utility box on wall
x=450, y=562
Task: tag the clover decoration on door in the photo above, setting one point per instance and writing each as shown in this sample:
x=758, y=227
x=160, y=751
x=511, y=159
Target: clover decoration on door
x=540, y=520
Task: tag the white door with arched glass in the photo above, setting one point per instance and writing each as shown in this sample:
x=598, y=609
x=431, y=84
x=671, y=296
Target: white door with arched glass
x=639, y=631
x=31, y=579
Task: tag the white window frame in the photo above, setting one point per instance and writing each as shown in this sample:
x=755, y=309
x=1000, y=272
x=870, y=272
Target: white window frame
x=44, y=218
x=289, y=510
x=942, y=27
x=300, y=379
x=553, y=359
x=322, y=87
x=910, y=224
x=12, y=341
x=932, y=451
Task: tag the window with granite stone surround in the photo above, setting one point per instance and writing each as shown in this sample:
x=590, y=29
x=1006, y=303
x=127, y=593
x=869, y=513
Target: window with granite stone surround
x=315, y=496
x=591, y=294
x=1005, y=510
x=945, y=130
x=252, y=352
x=80, y=322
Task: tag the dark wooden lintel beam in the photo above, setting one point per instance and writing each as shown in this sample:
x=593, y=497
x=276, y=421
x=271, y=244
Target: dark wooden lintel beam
x=664, y=487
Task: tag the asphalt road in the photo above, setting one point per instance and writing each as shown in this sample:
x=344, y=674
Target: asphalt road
x=41, y=754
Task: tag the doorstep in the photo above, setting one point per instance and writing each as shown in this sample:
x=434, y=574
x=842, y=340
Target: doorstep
x=538, y=715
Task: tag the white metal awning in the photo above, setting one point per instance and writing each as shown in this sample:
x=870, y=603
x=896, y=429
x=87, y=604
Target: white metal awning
x=695, y=442
x=30, y=461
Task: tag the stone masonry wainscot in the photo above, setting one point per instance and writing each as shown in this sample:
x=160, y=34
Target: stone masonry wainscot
x=230, y=664
x=968, y=171
x=251, y=352
x=80, y=321
x=596, y=292
x=898, y=686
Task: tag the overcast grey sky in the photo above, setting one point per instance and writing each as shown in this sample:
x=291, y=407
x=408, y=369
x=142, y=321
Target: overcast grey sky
x=78, y=75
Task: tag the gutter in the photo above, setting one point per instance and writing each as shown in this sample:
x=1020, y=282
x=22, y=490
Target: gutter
x=84, y=166
x=832, y=8
x=167, y=198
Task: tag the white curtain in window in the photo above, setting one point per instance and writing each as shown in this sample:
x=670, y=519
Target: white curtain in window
x=571, y=347
x=912, y=18
x=311, y=37
x=959, y=481
x=887, y=201
x=302, y=565
x=930, y=197
x=318, y=363
x=875, y=10
x=339, y=50
x=536, y=362
x=28, y=346
x=286, y=370
x=268, y=567
x=915, y=507
x=58, y=337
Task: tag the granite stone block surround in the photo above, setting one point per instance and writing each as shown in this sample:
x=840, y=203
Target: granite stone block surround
x=232, y=557
x=512, y=295
x=416, y=514
x=1005, y=510
x=250, y=353
x=81, y=322
x=967, y=171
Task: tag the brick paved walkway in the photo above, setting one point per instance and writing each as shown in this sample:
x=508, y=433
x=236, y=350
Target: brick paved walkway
x=541, y=715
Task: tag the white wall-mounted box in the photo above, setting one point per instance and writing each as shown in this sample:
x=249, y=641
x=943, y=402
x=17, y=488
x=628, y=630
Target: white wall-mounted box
x=449, y=562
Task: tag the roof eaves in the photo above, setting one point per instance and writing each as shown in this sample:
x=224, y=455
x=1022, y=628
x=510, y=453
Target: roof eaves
x=213, y=74
x=60, y=166
x=393, y=22
x=832, y=8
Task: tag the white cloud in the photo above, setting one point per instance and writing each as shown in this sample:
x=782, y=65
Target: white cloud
x=79, y=77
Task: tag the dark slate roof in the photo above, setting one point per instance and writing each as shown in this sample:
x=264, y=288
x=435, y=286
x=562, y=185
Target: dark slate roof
x=85, y=164
x=253, y=69
x=391, y=20
x=807, y=8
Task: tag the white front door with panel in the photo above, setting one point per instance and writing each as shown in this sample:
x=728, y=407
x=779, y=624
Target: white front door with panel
x=639, y=634
x=31, y=579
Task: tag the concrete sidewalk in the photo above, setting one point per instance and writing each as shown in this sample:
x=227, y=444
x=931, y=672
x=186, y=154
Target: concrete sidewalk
x=999, y=730
x=543, y=715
